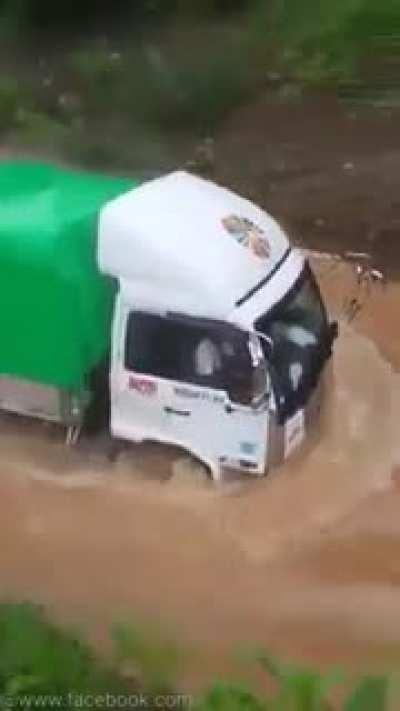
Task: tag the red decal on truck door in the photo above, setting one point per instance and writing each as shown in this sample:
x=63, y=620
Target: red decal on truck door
x=142, y=385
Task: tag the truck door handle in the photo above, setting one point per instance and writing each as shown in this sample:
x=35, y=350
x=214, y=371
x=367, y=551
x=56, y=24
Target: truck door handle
x=180, y=413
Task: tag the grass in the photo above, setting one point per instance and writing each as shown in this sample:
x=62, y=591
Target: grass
x=346, y=45
x=108, y=103
x=37, y=658
x=128, y=108
x=299, y=689
x=12, y=101
x=149, y=86
x=39, y=661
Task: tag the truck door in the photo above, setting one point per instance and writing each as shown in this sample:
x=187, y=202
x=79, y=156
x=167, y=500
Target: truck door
x=211, y=407
x=137, y=410
x=189, y=382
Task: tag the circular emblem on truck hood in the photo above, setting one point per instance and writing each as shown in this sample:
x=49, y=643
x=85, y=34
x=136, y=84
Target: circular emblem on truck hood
x=248, y=234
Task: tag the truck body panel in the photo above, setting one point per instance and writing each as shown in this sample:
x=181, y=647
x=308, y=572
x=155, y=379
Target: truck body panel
x=43, y=402
x=55, y=305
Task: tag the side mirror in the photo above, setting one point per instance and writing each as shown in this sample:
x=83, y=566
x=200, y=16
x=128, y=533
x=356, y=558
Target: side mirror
x=260, y=386
x=268, y=344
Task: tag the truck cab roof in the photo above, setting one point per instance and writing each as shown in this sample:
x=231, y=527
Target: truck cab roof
x=181, y=243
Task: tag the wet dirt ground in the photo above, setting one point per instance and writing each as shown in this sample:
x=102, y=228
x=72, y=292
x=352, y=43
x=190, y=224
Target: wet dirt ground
x=304, y=563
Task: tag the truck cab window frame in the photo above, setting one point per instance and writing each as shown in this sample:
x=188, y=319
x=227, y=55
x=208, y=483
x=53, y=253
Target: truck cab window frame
x=302, y=343
x=200, y=353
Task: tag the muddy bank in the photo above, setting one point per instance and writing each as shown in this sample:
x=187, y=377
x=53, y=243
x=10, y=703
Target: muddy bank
x=330, y=172
x=301, y=562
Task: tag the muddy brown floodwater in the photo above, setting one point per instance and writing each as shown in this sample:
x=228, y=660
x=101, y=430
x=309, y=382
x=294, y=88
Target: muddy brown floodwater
x=304, y=562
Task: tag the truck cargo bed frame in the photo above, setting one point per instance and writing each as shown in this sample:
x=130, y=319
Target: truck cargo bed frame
x=44, y=402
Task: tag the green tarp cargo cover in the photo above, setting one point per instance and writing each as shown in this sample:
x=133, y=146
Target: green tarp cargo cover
x=55, y=306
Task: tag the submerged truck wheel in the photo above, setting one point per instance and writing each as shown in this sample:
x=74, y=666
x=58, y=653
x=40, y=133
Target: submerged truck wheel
x=187, y=470
x=97, y=416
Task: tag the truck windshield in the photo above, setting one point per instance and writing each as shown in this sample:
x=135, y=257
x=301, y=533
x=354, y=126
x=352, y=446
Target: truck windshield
x=298, y=328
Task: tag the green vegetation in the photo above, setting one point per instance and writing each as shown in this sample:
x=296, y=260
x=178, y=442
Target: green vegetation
x=299, y=689
x=150, y=87
x=350, y=45
x=39, y=662
x=37, y=658
x=151, y=70
x=39, y=13
x=9, y=102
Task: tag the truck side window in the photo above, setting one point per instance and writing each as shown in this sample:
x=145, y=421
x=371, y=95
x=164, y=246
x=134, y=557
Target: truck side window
x=150, y=346
x=201, y=354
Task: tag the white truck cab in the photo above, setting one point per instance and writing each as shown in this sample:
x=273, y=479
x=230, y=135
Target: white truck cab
x=220, y=336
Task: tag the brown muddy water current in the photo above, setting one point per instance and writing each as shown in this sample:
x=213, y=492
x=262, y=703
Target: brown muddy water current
x=305, y=562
